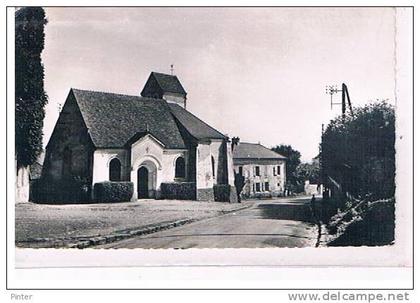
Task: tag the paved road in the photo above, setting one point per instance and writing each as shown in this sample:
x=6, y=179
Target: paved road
x=284, y=222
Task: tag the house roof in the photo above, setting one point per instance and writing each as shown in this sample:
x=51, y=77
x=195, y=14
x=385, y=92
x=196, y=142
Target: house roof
x=168, y=83
x=254, y=151
x=196, y=127
x=113, y=119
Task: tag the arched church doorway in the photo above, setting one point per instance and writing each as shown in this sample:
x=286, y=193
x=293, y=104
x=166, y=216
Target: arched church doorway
x=145, y=176
x=142, y=183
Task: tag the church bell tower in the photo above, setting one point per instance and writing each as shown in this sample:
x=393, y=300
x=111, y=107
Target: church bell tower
x=167, y=87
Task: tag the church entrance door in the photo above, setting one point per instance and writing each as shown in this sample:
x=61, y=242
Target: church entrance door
x=142, y=183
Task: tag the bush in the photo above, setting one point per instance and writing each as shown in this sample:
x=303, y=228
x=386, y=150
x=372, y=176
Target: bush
x=69, y=190
x=366, y=223
x=263, y=195
x=221, y=192
x=178, y=190
x=113, y=191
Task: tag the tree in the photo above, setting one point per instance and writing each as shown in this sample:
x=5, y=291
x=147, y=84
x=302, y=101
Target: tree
x=358, y=151
x=30, y=97
x=292, y=162
x=308, y=171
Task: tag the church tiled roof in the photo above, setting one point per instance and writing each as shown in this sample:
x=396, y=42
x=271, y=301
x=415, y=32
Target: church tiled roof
x=254, y=151
x=113, y=119
x=196, y=127
x=168, y=83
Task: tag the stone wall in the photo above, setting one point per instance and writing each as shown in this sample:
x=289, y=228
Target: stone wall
x=204, y=173
x=22, y=184
x=221, y=152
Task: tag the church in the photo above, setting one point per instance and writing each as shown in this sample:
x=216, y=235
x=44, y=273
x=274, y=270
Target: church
x=149, y=140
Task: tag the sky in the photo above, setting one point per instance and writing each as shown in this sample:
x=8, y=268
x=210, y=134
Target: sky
x=256, y=73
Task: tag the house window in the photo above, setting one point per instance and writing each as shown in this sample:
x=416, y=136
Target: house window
x=267, y=186
x=67, y=158
x=115, y=170
x=274, y=170
x=257, y=170
x=241, y=171
x=278, y=169
x=257, y=187
x=180, y=168
x=212, y=166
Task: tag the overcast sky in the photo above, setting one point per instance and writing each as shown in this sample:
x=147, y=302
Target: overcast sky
x=256, y=73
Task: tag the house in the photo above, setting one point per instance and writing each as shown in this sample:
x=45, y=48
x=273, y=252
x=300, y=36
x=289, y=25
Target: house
x=263, y=170
x=149, y=140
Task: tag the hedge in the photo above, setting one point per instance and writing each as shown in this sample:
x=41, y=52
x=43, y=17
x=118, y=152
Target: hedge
x=113, y=191
x=69, y=190
x=262, y=195
x=178, y=190
x=222, y=192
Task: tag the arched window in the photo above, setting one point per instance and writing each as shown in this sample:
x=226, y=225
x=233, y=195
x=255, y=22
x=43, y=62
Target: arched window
x=67, y=162
x=212, y=166
x=180, y=168
x=115, y=170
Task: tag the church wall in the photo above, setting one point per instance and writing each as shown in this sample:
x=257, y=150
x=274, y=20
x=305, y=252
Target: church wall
x=216, y=150
x=204, y=173
x=70, y=133
x=101, y=160
x=175, y=98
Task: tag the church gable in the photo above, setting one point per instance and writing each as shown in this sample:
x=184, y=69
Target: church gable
x=69, y=150
x=147, y=146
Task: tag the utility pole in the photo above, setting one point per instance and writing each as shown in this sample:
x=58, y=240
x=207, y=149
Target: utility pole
x=332, y=89
x=345, y=101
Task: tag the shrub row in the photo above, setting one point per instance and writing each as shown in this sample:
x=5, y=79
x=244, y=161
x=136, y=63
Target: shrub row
x=178, y=190
x=113, y=191
x=222, y=192
x=70, y=190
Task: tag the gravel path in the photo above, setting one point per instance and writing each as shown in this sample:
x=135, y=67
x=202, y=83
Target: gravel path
x=35, y=221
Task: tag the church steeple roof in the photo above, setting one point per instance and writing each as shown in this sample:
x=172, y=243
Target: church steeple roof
x=166, y=84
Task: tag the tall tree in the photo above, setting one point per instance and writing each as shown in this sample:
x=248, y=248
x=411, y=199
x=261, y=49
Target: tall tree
x=30, y=97
x=292, y=162
x=308, y=171
x=358, y=152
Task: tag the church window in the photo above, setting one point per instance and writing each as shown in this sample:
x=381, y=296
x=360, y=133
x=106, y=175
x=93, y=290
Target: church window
x=212, y=167
x=115, y=170
x=180, y=168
